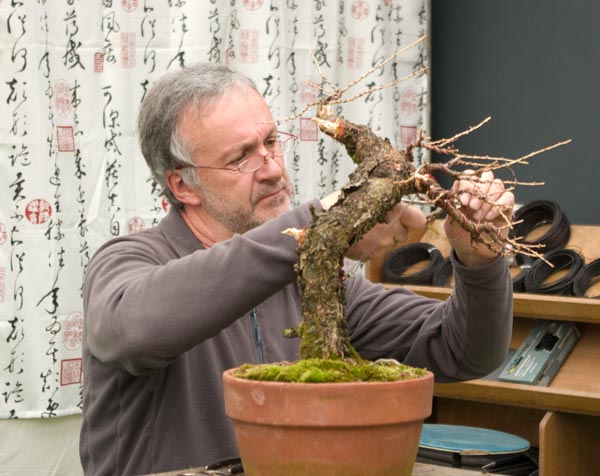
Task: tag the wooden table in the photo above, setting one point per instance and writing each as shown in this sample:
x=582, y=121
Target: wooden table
x=420, y=469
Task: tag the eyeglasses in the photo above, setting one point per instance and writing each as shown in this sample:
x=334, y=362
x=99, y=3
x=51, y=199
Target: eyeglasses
x=277, y=146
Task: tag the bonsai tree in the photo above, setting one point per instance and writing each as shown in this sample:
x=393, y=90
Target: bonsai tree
x=382, y=177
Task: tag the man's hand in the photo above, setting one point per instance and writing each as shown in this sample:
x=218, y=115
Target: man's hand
x=384, y=237
x=482, y=200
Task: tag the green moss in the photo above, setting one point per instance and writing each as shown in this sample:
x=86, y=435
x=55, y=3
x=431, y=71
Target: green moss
x=323, y=371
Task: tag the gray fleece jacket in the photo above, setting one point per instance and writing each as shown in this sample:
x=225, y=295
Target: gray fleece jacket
x=164, y=318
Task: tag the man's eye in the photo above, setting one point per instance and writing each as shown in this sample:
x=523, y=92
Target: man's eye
x=238, y=161
x=271, y=142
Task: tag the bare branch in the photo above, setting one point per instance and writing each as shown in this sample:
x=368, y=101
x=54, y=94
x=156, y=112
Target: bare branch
x=382, y=64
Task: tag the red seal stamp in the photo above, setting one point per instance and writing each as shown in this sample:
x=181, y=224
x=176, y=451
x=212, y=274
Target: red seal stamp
x=253, y=4
x=38, y=211
x=72, y=331
x=360, y=9
x=308, y=130
x=129, y=5
x=355, y=53
x=249, y=46
x=135, y=224
x=408, y=135
x=128, y=50
x=409, y=102
x=2, y=234
x=62, y=98
x=70, y=371
x=65, y=138
x=98, y=62
x=308, y=92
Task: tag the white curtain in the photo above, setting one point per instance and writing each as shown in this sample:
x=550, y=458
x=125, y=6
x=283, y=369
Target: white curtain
x=73, y=73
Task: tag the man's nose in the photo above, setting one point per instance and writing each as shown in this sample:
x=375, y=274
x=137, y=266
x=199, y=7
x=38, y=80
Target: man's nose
x=272, y=166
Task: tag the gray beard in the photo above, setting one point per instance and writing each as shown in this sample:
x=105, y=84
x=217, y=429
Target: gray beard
x=236, y=219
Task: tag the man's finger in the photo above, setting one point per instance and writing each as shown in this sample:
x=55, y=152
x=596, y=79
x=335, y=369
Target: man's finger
x=408, y=215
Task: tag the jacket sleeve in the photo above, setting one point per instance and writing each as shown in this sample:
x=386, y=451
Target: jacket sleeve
x=464, y=337
x=147, y=299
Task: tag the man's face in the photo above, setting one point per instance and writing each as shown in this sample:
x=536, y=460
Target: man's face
x=238, y=124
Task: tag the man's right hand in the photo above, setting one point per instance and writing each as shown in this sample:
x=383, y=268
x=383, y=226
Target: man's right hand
x=383, y=237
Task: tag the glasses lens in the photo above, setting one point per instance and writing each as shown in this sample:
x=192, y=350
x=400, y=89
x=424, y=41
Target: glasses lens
x=252, y=164
x=285, y=144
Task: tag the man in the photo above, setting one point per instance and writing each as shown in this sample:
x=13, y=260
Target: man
x=213, y=286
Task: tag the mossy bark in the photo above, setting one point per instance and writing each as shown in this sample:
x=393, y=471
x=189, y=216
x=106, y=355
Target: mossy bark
x=382, y=177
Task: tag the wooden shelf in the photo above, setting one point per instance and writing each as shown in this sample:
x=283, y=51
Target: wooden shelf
x=539, y=306
x=575, y=389
x=545, y=398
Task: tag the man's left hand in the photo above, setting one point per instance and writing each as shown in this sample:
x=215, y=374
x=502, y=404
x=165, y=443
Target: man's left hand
x=483, y=199
x=384, y=237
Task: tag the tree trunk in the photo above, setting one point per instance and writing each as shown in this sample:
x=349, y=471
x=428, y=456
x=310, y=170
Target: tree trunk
x=382, y=177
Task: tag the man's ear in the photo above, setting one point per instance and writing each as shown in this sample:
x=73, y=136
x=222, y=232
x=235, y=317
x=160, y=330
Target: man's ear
x=182, y=191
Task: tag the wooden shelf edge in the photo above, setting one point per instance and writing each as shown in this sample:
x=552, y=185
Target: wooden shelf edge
x=559, y=307
x=563, y=308
x=529, y=396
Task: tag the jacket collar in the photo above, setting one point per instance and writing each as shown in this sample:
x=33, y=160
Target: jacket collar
x=178, y=234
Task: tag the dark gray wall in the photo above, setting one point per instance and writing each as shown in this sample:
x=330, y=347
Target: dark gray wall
x=534, y=67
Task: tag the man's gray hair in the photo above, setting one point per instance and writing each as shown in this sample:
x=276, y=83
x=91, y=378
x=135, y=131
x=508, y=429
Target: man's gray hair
x=161, y=142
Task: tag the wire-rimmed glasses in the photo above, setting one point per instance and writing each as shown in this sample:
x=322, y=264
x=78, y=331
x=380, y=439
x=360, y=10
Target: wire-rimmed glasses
x=277, y=146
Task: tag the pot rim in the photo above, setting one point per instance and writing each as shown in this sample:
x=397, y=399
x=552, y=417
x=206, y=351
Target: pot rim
x=229, y=374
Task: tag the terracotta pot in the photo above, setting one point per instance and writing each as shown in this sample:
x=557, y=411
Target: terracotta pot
x=324, y=429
